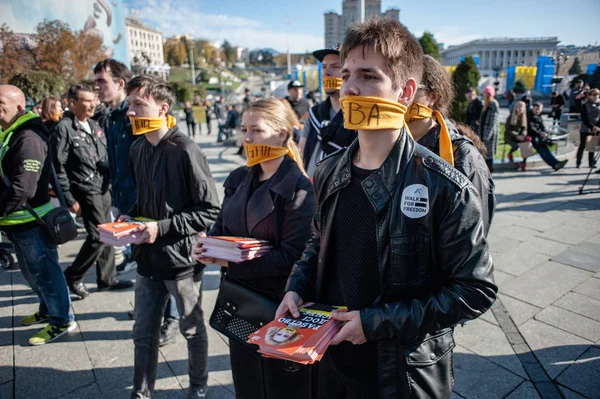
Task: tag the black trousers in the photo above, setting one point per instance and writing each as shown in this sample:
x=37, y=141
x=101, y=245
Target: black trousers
x=95, y=210
x=582, y=137
x=332, y=385
x=255, y=377
x=191, y=126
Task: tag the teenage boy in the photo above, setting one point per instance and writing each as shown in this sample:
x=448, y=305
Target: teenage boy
x=398, y=237
x=175, y=189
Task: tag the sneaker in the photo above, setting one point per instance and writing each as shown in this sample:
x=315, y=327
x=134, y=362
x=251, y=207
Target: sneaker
x=126, y=266
x=560, y=165
x=117, y=285
x=35, y=318
x=51, y=332
x=197, y=391
x=168, y=331
x=78, y=289
x=510, y=157
x=523, y=166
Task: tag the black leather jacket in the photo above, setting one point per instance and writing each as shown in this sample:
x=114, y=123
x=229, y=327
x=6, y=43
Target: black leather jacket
x=434, y=263
x=469, y=161
x=80, y=158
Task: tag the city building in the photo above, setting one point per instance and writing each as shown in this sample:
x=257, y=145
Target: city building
x=589, y=57
x=497, y=54
x=336, y=25
x=145, y=47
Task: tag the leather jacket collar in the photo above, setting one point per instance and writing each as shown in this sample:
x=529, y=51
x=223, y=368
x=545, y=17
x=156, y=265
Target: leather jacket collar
x=381, y=184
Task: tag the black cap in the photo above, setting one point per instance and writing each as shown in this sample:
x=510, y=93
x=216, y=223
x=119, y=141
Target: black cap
x=295, y=83
x=320, y=54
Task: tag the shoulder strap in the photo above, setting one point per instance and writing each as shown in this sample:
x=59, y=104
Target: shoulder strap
x=27, y=207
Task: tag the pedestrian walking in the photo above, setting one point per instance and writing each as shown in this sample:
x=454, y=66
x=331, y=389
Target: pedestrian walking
x=26, y=170
x=175, y=189
x=557, y=101
x=489, y=126
x=577, y=97
x=189, y=119
x=78, y=149
x=474, y=109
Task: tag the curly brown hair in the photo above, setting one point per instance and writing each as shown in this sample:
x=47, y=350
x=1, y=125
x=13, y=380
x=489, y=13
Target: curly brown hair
x=436, y=83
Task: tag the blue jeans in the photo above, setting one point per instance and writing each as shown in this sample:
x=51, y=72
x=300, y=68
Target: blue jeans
x=171, y=309
x=150, y=301
x=38, y=259
x=544, y=151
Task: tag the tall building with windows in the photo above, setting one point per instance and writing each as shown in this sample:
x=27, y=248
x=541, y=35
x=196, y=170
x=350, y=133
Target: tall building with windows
x=145, y=47
x=336, y=25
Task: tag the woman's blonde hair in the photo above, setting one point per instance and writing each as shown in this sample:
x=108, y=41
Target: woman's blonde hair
x=278, y=117
x=519, y=119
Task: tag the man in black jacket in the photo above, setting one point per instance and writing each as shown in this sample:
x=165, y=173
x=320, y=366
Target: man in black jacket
x=324, y=132
x=398, y=236
x=79, y=155
x=474, y=109
x=539, y=137
x=174, y=188
x=25, y=169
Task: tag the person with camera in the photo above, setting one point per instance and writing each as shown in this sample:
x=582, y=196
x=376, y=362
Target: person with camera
x=590, y=124
x=26, y=171
x=79, y=154
x=539, y=137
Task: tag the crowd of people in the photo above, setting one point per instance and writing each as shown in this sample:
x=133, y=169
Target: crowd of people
x=374, y=200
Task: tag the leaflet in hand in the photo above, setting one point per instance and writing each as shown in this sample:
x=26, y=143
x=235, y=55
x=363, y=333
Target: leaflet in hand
x=234, y=249
x=302, y=340
x=119, y=234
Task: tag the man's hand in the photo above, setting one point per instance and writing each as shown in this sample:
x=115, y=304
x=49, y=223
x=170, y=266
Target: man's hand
x=148, y=233
x=197, y=249
x=123, y=218
x=595, y=129
x=75, y=208
x=290, y=303
x=352, y=330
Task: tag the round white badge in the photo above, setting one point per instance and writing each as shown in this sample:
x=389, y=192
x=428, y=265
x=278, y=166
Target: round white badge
x=415, y=201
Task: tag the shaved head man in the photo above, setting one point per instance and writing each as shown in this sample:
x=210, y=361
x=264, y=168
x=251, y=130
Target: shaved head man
x=12, y=105
x=25, y=167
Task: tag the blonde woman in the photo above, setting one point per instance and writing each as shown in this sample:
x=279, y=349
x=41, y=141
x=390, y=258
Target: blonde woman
x=488, y=127
x=516, y=128
x=270, y=199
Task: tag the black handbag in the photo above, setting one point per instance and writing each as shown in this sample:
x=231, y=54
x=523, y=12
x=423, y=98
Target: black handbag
x=240, y=310
x=58, y=223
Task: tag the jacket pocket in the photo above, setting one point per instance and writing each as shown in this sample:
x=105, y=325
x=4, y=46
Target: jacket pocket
x=429, y=366
x=410, y=258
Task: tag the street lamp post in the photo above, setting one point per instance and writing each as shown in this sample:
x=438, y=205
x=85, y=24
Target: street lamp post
x=192, y=60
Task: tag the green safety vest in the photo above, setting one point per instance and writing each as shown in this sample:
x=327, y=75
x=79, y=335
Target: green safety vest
x=19, y=217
